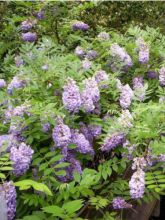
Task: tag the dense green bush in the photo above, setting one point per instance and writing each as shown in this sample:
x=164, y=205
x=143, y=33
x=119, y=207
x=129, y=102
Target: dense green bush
x=55, y=89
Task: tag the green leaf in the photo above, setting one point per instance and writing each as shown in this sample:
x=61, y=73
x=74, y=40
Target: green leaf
x=55, y=210
x=73, y=206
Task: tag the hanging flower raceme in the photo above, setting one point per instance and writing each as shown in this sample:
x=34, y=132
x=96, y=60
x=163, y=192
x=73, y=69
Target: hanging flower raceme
x=40, y=15
x=130, y=150
x=112, y=141
x=27, y=24
x=71, y=96
x=162, y=76
x=126, y=119
x=21, y=157
x=29, y=36
x=83, y=145
x=79, y=51
x=152, y=74
x=139, y=89
x=2, y=83
x=121, y=54
x=103, y=36
x=61, y=134
x=90, y=95
x=126, y=96
x=6, y=142
x=79, y=25
x=86, y=64
x=95, y=130
x=143, y=49
x=120, y=203
x=139, y=163
x=91, y=55
x=101, y=77
x=16, y=83
x=8, y=197
x=46, y=127
x=137, y=184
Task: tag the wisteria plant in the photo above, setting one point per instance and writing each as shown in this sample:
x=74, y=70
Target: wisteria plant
x=82, y=123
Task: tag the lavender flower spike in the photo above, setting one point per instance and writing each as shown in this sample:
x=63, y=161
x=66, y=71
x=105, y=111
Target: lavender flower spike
x=139, y=163
x=120, y=203
x=162, y=76
x=8, y=196
x=79, y=52
x=126, y=96
x=112, y=141
x=91, y=55
x=2, y=83
x=29, y=36
x=21, y=158
x=143, y=51
x=121, y=54
x=16, y=83
x=79, y=25
x=101, y=77
x=86, y=64
x=27, y=24
x=139, y=89
x=103, y=36
x=61, y=134
x=137, y=184
x=71, y=96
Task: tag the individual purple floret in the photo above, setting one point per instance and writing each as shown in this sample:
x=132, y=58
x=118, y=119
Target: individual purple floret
x=61, y=134
x=71, y=96
x=101, y=77
x=137, y=184
x=139, y=163
x=162, y=76
x=120, y=203
x=79, y=25
x=40, y=15
x=121, y=54
x=2, y=83
x=27, y=24
x=112, y=141
x=103, y=36
x=152, y=74
x=21, y=158
x=29, y=36
x=8, y=193
x=79, y=51
x=139, y=89
x=18, y=61
x=143, y=51
x=86, y=64
x=16, y=83
x=91, y=55
x=46, y=127
x=126, y=96
x=126, y=119
x=83, y=145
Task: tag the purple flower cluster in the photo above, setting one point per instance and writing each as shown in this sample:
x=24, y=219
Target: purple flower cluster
x=120, y=203
x=18, y=61
x=83, y=145
x=112, y=141
x=139, y=89
x=152, y=74
x=8, y=192
x=95, y=130
x=162, y=76
x=130, y=148
x=71, y=96
x=126, y=119
x=40, y=15
x=139, y=163
x=101, y=77
x=103, y=36
x=91, y=55
x=2, y=83
x=27, y=24
x=79, y=25
x=90, y=95
x=61, y=134
x=121, y=54
x=21, y=158
x=126, y=96
x=46, y=127
x=143, y=51
x=137, y=184
x=29, y=36
x=6, y=142
x=79, y=52
x=16, y=83
x=86, y=64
